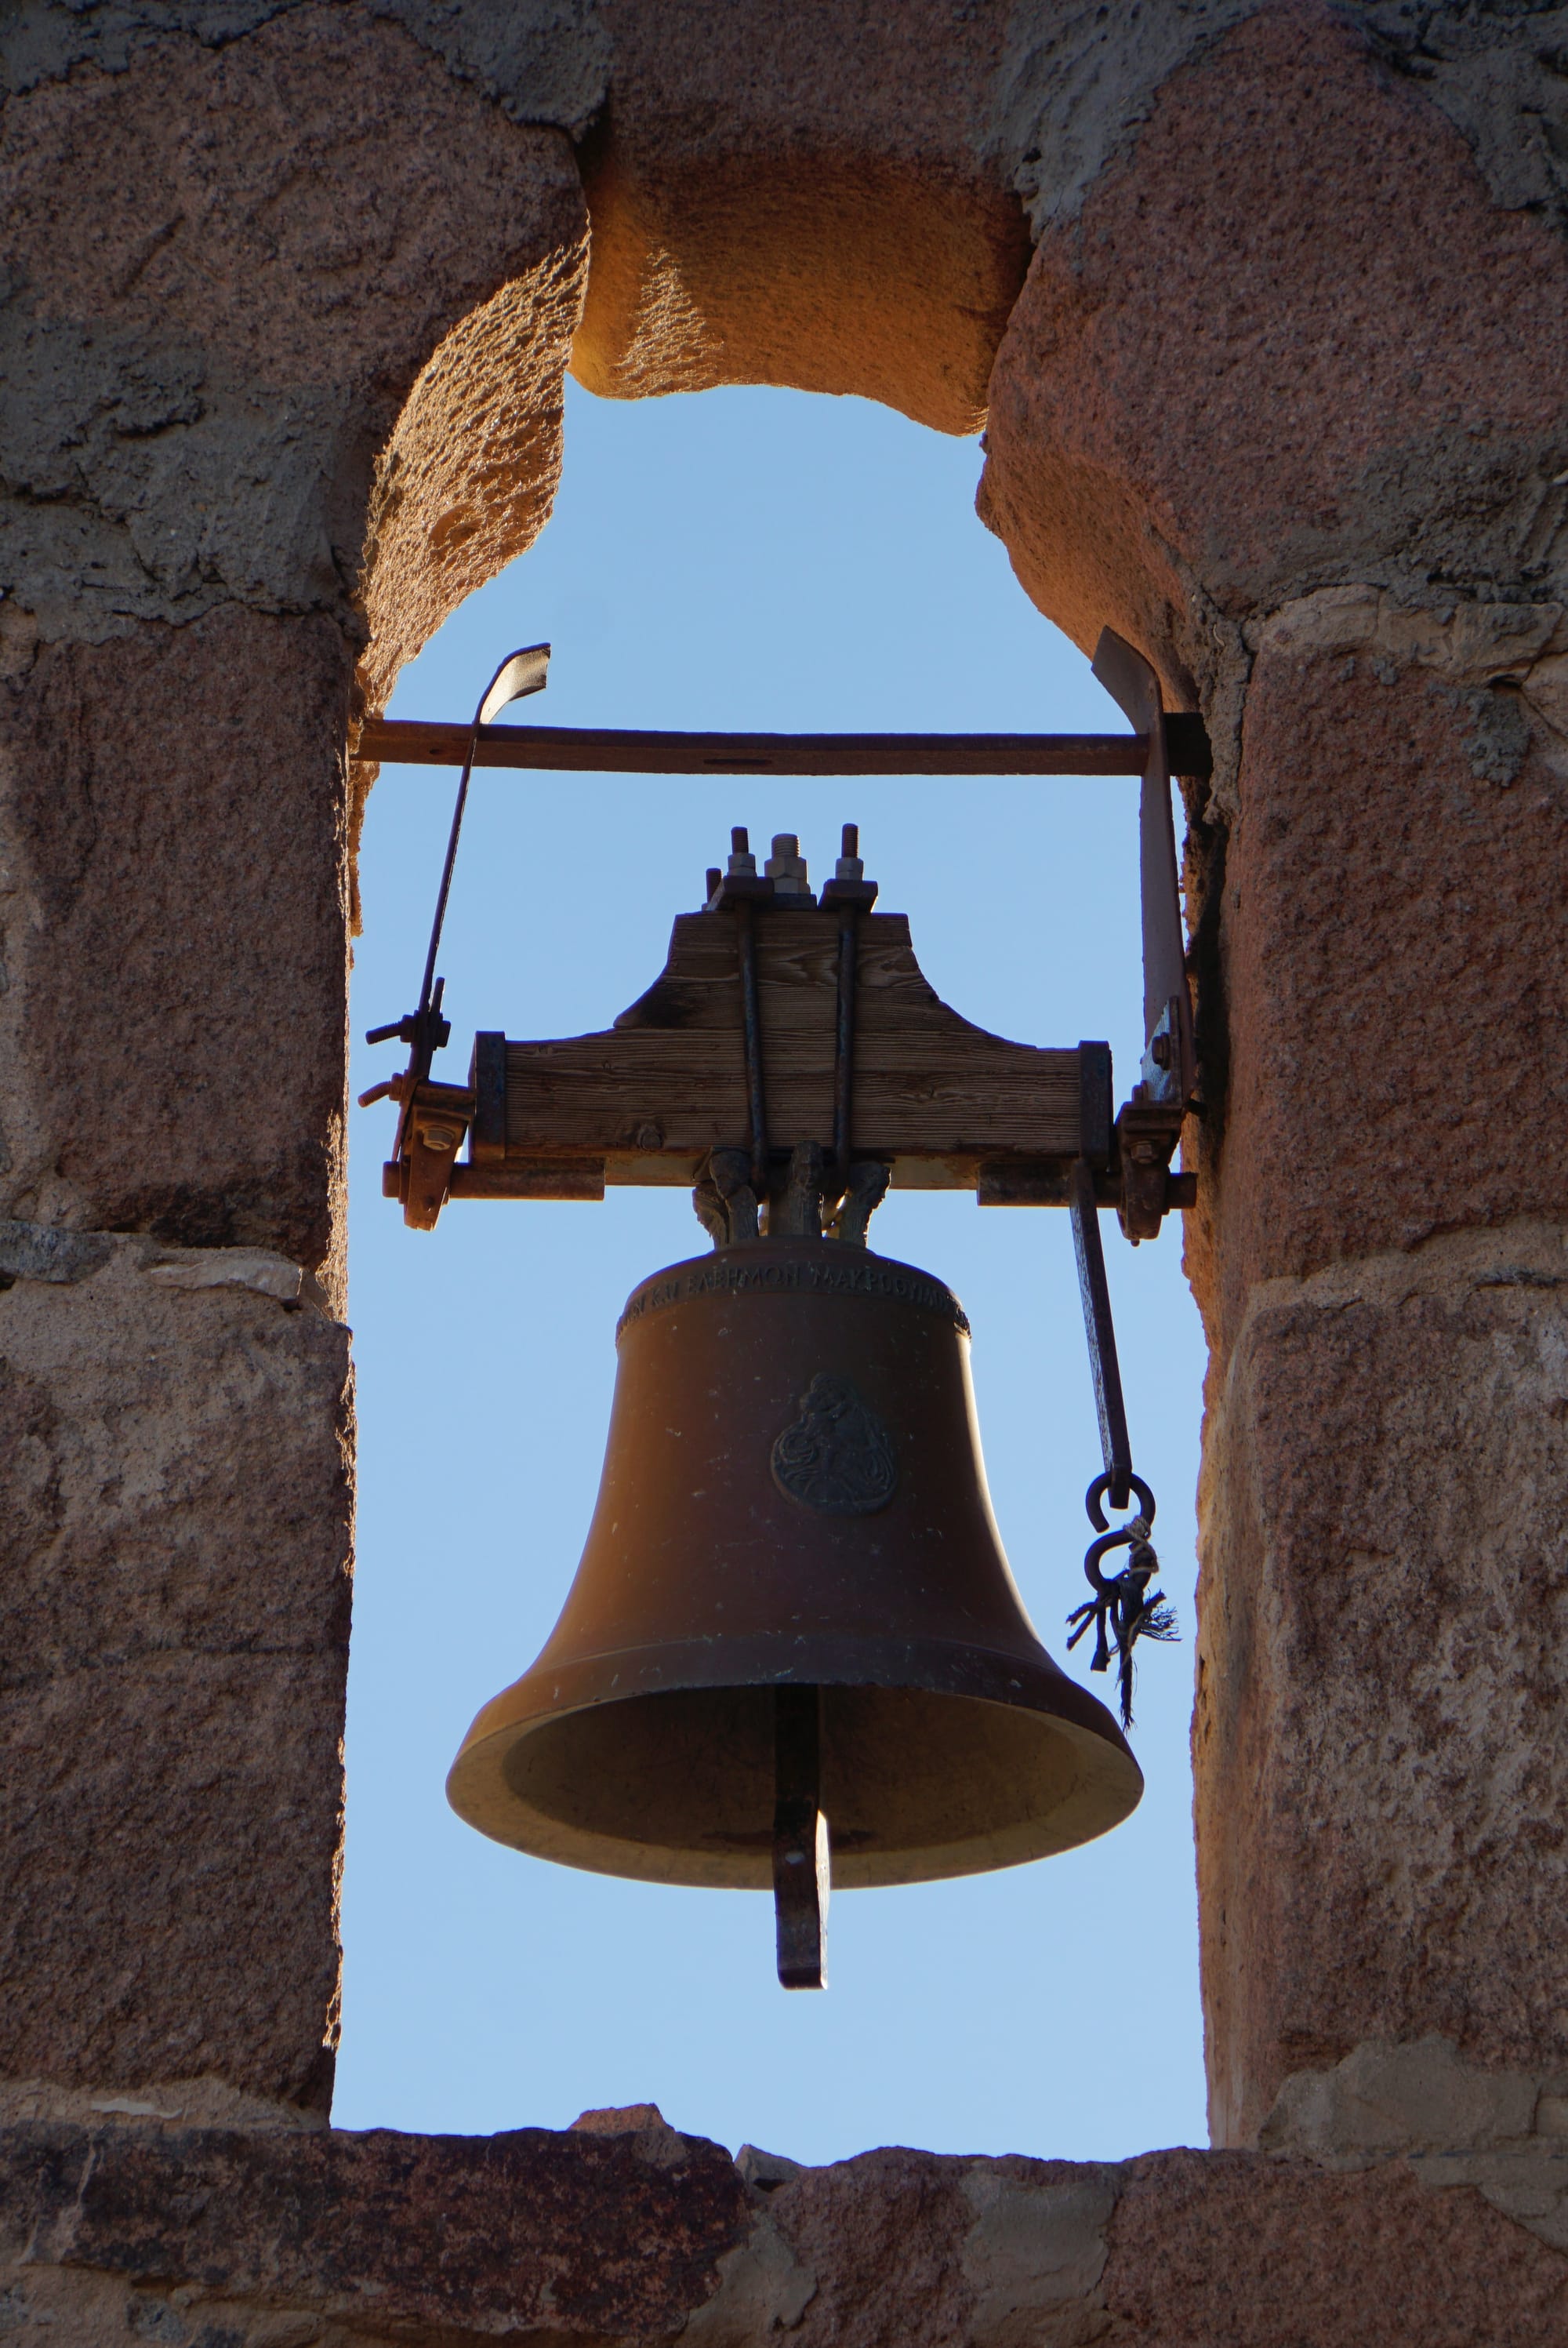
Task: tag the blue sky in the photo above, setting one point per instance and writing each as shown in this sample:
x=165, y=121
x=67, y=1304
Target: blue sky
x=773, y=560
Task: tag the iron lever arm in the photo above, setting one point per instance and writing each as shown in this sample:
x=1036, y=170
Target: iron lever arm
x=1099, y=1330
x=1168, y=1075
x=1149, y=1124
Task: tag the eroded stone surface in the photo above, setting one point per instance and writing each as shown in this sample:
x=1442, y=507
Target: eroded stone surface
x=879, y=2235
x=543, y=61
x=1379, y=1738
x=1385, y=2098
x=175, y=918
x=438, y=2239
x=1234, y=417
x=207, y=373
x=469, y=475
x=184, y=2235
x=175, y=1521
x=1035, y=2256
x=1246, y=2253
x=1504, y=2132
x=1392, y=987
x=1076, y=89
x=802, y=197
x=1174, y=439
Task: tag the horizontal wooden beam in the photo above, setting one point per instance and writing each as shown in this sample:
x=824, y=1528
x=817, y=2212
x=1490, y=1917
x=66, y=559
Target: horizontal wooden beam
x=648, y=1097
x=616, y=750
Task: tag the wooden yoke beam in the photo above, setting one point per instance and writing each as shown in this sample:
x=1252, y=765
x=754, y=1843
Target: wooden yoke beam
x=945, y=1104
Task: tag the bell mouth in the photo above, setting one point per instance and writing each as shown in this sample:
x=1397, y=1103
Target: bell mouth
x=919, y=1782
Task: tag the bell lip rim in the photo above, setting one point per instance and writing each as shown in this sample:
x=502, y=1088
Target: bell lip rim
x=1044, y=1671
x=593, y=1853
x=1082, y=1708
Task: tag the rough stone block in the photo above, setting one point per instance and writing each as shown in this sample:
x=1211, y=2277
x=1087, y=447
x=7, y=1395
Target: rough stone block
x=206, y=373
x=806, y=198
x=191, y=2236
x=175, y=1517
x=1281, y=341
x=1381, y=1734
x=172, y=808
x=445, y=2239
x=1259, y=2253
x=1394, y=986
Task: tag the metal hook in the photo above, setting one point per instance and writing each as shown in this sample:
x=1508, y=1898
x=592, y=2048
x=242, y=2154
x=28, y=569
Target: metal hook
x=1102, y=1486
x=1122, y=1610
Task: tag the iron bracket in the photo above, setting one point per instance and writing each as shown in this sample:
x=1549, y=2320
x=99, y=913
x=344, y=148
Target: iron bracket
x=1149, y=1126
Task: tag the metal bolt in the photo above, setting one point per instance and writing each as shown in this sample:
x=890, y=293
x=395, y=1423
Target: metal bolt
x=785, y=867
x=1160, y=1051
x=438, y=1136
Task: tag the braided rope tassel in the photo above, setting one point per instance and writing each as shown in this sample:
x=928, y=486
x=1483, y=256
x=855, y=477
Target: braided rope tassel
x=1124, y=1608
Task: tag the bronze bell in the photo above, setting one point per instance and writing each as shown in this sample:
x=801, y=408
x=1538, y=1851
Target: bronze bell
x=794, y=1628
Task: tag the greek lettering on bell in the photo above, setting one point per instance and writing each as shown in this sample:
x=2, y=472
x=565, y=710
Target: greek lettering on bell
x=838, y=1457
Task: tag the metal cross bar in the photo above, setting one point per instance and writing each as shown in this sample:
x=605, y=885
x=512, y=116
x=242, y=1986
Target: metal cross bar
x=608, y=749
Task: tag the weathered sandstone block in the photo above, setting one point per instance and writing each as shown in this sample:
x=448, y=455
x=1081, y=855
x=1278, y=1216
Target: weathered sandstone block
x=189, y=2236
x=1380, y=1741
x=1322, y=482
x=802, y=197
x=1380, y=1786
x=1287, y=339
x=1394, y=993
x=228, y=254
x=175, y=1518
x=285, y=301
x=176, y=928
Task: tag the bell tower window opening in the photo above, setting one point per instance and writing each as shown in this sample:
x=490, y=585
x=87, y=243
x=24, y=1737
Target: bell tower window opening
x=954, y=820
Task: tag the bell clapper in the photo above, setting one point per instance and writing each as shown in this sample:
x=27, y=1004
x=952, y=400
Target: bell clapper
x=801, y=1862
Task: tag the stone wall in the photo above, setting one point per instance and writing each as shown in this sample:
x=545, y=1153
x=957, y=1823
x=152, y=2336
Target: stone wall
x=231, y=265
x=625, y=2233
x=1308, y=375
x=1262, y=304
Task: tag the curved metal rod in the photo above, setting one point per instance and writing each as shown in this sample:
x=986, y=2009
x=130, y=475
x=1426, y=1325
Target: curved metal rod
x=1097, y=1492
x=523, y=671
x=520, y=673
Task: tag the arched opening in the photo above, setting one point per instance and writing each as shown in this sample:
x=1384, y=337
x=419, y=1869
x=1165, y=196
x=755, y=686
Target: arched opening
x=1279, y=397
x=744, y=558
